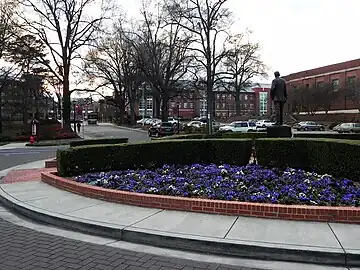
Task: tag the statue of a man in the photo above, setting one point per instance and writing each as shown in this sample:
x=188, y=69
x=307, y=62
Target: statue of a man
x=278, y=95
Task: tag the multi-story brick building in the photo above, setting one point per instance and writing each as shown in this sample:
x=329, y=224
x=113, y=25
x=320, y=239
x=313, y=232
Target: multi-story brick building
x=337, y=74
x=254, y=102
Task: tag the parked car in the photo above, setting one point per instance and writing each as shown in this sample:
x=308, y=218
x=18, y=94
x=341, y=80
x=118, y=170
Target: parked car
x=264, y=123
x=196, y=124
x=155, y=122
x=308, y=126
x=239, y=127
x=143, y=120
x=162, y=129
x=172, y=120
x=347, y=128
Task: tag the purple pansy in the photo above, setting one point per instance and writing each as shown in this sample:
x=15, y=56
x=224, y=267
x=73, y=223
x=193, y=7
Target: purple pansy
x=250, y=183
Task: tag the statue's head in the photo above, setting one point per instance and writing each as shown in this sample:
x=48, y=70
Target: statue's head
x=277, y=74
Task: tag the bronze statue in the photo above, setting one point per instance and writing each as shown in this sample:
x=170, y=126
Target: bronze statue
x=278, y=95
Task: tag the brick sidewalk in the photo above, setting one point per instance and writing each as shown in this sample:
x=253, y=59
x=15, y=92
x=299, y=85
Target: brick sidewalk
x=17, y=176
x=26, y=249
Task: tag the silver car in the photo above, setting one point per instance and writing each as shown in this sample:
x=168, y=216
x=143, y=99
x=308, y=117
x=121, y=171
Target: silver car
x=347, y=128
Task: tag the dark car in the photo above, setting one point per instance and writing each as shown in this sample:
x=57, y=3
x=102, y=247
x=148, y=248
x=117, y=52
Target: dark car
x=309, y=126
x=162, y=129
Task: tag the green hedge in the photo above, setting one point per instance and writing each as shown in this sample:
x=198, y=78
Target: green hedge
x=98, y=158
x=343, y=136
x=99, y=141
x=241, y=135
x=336, y=157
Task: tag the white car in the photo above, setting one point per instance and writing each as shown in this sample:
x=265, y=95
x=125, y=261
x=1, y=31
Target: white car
x=155, y=122
x=196, y=124
x=245, y=126
x=172, y=120
x=263, y=124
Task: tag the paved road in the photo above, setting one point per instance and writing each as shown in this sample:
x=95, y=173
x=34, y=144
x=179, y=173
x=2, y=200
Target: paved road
x=26, y=249
x=18, y=156
x=108, y=131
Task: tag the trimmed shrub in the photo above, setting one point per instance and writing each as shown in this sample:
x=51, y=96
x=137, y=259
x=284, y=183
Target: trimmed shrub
x=339, y=158
x=99, y=141
x=342, y=136
x=243, y=135
x=154, y=154
x=179, y=137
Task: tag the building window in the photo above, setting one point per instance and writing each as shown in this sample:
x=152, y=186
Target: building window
x=335, y=84
x=224, y=105
x=191, y=105
x=186, y=105
x=149, y=104
x=246, y=97
x=320, y=84
x=351, y=80
x=218, y=96
x=251, y=106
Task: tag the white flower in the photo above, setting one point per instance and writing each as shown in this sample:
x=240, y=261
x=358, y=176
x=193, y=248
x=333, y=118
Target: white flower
x=223, y=171
x=307, y=181
x=105, y=181
x=221, y=166
x=153, y=189
x=172, y=187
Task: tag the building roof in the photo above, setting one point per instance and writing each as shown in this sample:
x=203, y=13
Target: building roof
x=325, y=69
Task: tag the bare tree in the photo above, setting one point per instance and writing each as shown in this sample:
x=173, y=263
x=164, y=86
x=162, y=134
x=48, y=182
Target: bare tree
x=207, y=20
x=163, y=56
x=8, y=31
x=242, y=63
x=325, y=96
x=65, y=27
x=112, y=65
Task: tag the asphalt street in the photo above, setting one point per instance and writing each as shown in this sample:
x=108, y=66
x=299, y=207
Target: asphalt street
x=17, y=156
x=109, y=131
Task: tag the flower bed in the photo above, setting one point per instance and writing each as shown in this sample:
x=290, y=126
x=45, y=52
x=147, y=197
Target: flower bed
x=250, y=183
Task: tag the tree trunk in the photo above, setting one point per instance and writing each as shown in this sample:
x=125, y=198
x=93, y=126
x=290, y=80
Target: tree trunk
x=132, y=112
x=25, y=106
x=210, y=99
x=119, y=108
x=66, y=104
x=156, y=106
x=237, y=103
x=1, y=105
x=164, y=108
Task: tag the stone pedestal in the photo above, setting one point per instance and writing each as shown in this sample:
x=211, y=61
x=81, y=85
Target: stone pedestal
x=278, y=132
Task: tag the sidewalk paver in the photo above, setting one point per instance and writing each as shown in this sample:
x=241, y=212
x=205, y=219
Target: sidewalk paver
x=24, y=175
x=26, y=249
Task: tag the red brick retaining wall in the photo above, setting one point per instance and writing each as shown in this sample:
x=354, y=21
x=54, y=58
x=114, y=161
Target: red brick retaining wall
x=51, y=163
x=278, y=211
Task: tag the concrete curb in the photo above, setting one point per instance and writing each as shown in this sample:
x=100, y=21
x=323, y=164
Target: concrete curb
x=258, y=251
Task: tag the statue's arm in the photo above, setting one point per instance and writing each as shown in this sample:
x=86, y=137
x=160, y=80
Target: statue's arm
x=272, y=89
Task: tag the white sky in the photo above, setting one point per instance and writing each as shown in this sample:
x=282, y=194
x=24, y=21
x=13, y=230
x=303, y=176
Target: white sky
x=296, y=35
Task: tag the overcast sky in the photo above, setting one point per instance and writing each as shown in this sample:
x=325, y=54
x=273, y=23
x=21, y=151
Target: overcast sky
x=296, y=34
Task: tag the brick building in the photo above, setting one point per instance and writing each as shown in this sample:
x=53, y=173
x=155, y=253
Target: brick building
x=254, y=102
x=337, y=74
